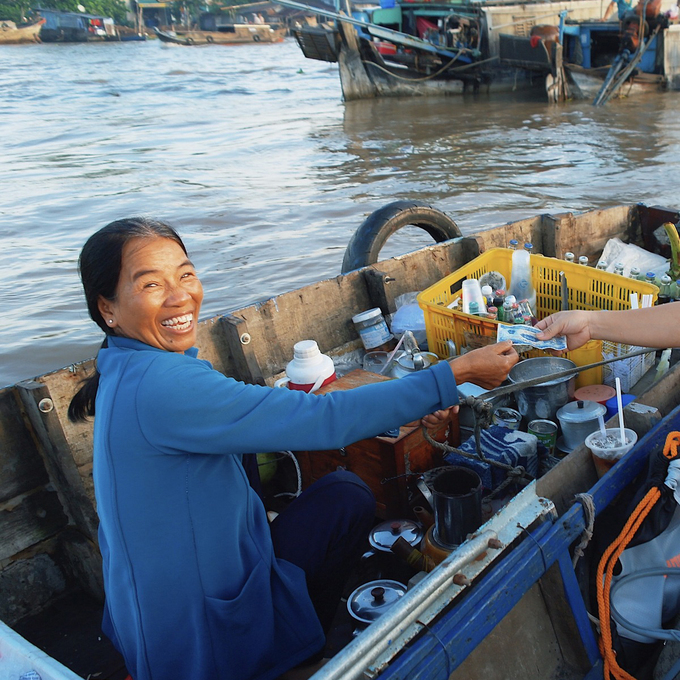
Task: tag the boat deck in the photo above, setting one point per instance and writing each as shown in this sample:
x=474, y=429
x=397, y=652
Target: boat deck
x=80, y=644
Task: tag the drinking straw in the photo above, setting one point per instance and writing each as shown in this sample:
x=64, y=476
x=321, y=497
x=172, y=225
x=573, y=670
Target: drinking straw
x=620, y=407
x=603, y=431
x=391, y=356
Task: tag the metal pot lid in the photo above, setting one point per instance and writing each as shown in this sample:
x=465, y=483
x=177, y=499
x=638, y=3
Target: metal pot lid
x=417, y=361
x=371, y=600
x=581, y=411
x=386, y=533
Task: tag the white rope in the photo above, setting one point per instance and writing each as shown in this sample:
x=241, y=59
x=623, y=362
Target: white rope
x=291, y=455
x=586, y=500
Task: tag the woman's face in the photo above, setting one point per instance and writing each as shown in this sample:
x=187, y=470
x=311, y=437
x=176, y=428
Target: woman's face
x=158, y=297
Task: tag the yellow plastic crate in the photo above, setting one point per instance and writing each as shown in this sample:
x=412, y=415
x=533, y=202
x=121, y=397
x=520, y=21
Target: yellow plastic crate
x=589, y=288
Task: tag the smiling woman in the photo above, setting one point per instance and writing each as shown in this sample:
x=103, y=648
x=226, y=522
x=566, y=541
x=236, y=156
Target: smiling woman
x=177, y=496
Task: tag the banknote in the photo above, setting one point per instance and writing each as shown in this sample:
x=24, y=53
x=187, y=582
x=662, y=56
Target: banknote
x=526, y=335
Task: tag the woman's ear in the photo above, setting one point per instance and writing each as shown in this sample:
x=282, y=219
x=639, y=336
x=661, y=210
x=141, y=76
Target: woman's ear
x=106, y=310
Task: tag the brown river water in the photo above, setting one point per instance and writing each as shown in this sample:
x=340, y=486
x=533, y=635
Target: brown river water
x=252, y=154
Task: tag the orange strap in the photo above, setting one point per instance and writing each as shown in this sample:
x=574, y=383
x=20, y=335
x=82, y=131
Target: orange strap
x=605, y=570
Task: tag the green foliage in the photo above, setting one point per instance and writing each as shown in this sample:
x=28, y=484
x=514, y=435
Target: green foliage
x=13, y=10
x=16, y=10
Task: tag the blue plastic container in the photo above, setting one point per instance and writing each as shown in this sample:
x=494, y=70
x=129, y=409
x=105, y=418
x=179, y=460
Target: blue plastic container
x=612, y=406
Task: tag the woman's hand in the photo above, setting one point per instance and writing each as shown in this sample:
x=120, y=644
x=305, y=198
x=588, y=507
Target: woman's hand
x=487, y=367
x=574, y=324
x=433, y=420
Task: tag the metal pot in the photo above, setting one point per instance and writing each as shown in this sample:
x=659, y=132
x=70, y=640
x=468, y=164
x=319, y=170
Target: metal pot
x=383, y=535
x=541, y=402
x=409, y=363
x=371, y=600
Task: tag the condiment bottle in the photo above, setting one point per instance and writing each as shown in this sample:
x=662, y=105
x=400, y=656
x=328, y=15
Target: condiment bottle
x=569, y=257
x=487, y=292
x=650, y=277
x=664, y=290
x=373, y=330
x=602, y=265
x=499, y=298
x=634, y=273
x=676, y=293
x=583, y=260
x=618, y=268
x=529, y=247
x=513, y=244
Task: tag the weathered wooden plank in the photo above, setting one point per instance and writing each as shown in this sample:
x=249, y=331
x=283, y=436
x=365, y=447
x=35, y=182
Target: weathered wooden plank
x=21, y=467
x=27, y=585
x=28, y=519
x=239, y=341
x=588, y=233
x=47, y=413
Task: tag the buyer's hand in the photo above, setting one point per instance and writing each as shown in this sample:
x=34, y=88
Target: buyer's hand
x=487, y=367
x=574, y=324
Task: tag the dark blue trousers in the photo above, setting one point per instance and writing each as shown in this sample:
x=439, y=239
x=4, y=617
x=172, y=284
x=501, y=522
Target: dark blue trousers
x=324, y=532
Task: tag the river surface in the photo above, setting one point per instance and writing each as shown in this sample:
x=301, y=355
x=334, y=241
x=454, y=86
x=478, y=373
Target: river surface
x=252, y=154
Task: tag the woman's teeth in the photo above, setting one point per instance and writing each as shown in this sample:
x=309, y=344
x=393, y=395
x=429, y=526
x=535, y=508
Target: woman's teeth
x=179, y=323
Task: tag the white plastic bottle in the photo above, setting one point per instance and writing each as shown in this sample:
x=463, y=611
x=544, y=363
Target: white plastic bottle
x=521, y=285
x=309, y=368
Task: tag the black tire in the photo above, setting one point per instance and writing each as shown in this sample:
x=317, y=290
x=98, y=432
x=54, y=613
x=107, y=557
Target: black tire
x=256, y=37
x=209, y=38
x=189, y=41
x=368, y=240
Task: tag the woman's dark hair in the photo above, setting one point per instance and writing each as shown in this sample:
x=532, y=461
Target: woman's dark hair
x=99, y=265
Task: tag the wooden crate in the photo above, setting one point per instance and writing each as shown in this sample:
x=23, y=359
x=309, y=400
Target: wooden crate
x=382, y=462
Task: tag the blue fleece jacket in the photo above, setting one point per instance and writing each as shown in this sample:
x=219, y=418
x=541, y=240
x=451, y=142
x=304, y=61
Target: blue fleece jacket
x=193, y=588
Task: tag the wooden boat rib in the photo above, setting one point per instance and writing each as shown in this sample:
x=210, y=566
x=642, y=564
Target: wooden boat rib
x=11, y=34
x=238, y=34
x=48, y=521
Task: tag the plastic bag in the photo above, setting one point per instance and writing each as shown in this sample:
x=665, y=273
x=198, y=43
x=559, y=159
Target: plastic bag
x=630, y=255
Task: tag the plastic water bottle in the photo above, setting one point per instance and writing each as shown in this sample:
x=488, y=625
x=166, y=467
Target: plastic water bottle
x=521, y=285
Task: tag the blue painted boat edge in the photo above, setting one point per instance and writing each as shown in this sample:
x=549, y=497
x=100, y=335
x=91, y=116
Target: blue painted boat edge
x=445, y=644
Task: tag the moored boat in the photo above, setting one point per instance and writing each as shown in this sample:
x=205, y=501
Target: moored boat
x=234, y=34
x=484, y=625
x=11, y=34
x=417, y=48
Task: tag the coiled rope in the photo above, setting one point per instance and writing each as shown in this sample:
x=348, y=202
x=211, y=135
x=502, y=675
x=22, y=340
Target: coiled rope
x=605, y=569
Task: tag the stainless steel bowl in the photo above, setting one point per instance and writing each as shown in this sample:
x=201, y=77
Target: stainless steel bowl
x=542, y=401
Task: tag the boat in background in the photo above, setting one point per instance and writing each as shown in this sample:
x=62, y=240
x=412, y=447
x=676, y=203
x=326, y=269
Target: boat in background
x=76, y=27
x=438, y=48
x=227, y=34
x=11, y=34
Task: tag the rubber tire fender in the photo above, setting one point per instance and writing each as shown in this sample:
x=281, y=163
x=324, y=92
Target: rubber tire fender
x=367, y=241
x=256, y=37
x=209, y=38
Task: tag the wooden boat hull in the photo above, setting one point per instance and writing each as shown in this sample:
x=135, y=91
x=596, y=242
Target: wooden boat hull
x=48, y=521
x=11, y=35
x=242, y=34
